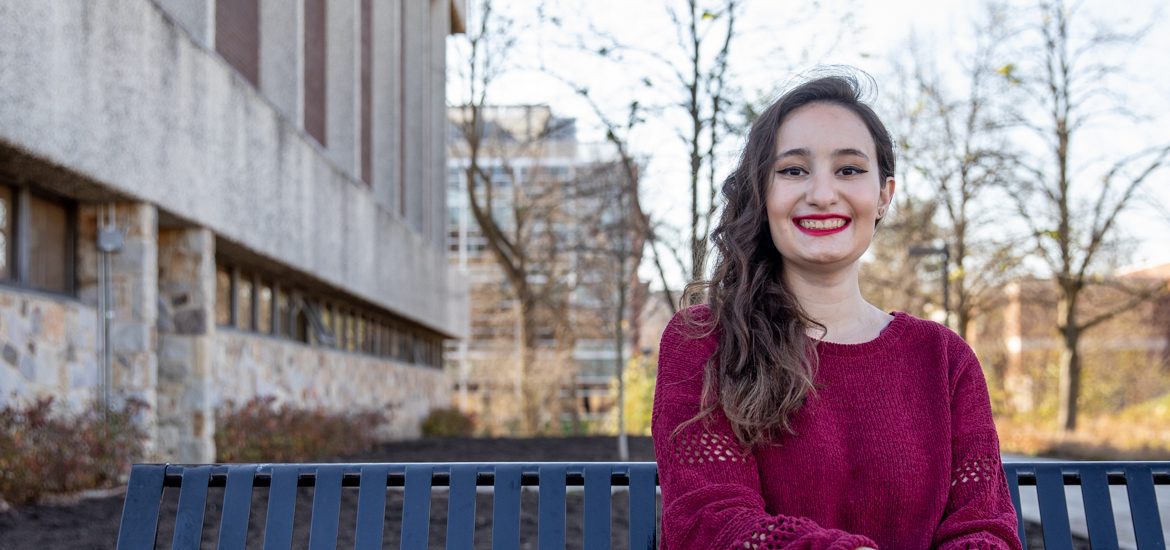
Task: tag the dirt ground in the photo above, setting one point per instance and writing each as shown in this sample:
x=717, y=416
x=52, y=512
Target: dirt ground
x=92, y=523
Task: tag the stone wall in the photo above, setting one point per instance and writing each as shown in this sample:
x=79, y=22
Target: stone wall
x=48, y=346
x=186, y=288
x=248, y=365
x=134, y=302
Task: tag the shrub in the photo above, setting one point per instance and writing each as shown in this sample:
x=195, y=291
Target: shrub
x=44, y=450
x=447, y=422
x=262, y=431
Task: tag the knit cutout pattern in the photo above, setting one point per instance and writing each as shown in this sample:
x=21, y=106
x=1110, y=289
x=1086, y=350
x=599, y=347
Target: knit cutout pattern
x=771, y=534
x=977, y=469
x=706, y=448
x=981, y=545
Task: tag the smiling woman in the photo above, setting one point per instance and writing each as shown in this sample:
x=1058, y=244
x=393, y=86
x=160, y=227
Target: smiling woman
x=789, y=411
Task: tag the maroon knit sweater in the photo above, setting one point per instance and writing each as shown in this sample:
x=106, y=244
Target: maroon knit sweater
x=896, y=450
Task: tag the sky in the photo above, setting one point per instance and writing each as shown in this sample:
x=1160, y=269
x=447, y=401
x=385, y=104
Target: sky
x=781, y=40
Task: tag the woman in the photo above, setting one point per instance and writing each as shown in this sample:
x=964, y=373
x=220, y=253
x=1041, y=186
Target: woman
x=790, y=412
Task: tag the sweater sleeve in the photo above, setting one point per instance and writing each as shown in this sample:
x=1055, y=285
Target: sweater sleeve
x=711, y=495
x=979, y=512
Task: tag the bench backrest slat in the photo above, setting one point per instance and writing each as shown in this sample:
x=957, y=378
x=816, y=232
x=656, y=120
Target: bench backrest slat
x=326, y=508
x=461, y=506
x=192, y=502
x=506, y=507
x=237, y=503
x=282, y=501
x=550, y=527
x=1053, y=506
x=1098, y=508
x=598, y=491
x=1013, y=480
x=140, y=511
x=1143, y=506
x=371, y=512
x=416, y=506
x=643, y=518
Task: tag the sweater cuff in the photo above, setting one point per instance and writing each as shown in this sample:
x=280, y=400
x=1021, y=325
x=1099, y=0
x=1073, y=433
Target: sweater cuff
x=773, y=532
x=978, y=541
x=853, y=542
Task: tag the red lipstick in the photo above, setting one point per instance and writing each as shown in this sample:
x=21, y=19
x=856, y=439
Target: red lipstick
x=819, y=232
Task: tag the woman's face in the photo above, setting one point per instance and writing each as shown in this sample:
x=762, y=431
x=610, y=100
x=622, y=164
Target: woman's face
x=825, y=193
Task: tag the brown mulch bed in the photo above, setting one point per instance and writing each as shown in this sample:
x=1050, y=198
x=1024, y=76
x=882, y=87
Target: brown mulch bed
x=92, y=523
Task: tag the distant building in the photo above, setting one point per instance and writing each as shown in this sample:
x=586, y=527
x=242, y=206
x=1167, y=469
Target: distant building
x=1125, y=360
x=532, y=154
x=252, y=189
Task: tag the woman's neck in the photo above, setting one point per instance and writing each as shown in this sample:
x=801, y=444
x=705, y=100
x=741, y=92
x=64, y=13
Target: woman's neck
x=835, y=301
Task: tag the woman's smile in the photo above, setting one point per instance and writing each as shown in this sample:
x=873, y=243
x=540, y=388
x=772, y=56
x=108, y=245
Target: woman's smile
x=821, y=224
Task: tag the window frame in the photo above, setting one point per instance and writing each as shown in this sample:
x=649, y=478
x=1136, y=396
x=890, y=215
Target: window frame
x=19, y=244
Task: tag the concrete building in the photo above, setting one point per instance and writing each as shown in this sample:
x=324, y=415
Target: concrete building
x=205, y=201
x=569, y=216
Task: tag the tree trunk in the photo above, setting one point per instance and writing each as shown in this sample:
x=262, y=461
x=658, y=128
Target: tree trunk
x=1070, y=364
x=619, y=340
x=529, y=385
x=1070, y=381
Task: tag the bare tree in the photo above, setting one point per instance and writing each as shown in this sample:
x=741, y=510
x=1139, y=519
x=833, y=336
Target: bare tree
x=707, y=107
x=518, y=222
x=610, y=251
x=693, y=80
x=958, y=146
x=1074, y=222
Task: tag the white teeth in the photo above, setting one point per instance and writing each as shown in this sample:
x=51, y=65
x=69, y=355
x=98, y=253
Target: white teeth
x=831, y=223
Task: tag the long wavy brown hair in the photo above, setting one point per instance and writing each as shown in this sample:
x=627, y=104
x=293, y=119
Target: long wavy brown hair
x=765, y=365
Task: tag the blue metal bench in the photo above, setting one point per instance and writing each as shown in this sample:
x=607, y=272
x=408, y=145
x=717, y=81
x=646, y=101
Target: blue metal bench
x=140, y=516
x=1094, y=479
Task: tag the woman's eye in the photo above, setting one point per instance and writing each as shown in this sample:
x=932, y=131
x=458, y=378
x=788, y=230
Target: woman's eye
x=792, y=171
x=851, y=171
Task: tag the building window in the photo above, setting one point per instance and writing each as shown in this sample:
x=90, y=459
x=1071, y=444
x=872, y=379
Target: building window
x=5, y=232
x=223, y=296
x=367, y=86
x=327, y=318
x=237, y=36
x=36, y=239
x=49, y=243
x=264, y=305
x=363, y=342
x=315, y=33
x=283, y=314
x=347, y=331
x=243, y=302
x=301, y=325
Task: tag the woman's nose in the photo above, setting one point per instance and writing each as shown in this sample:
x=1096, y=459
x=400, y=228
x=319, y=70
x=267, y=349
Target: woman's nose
x=822, y=190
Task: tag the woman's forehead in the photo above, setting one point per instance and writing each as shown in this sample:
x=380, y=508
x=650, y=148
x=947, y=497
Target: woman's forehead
x=823, y=128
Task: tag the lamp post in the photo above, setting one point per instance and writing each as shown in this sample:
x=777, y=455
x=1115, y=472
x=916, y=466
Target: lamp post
x=940, y=250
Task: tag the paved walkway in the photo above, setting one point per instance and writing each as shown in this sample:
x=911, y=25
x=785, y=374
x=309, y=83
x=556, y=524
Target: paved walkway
x=1076, y=510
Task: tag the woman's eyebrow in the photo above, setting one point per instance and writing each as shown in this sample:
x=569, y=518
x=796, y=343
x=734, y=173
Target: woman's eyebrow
x=850, y=152
x=804, y=152
x=798, y=152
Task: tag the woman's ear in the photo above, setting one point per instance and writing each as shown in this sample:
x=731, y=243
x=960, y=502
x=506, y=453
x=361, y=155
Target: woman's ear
x=886, y=196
